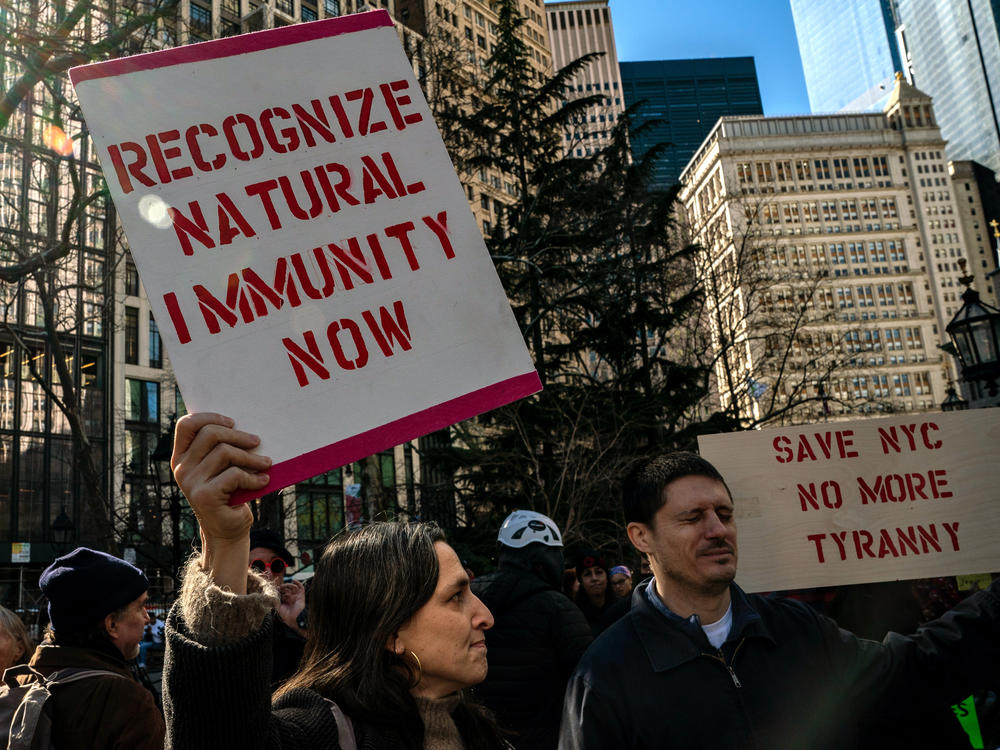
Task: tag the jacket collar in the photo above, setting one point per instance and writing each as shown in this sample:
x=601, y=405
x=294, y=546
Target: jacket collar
x=668, y=642
x=49, y=658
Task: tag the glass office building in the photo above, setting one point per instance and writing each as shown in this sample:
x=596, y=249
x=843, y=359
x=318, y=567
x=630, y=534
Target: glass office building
x=955, y=53
x=849, y=53
x=686, y=98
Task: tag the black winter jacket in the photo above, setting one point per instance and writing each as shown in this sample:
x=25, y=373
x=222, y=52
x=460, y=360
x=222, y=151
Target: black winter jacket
x=535, y=643
x=785, y=678
x=221, y=698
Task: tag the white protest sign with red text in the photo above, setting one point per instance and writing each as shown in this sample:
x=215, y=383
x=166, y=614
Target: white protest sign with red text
x=307, y=249
x=858, y=502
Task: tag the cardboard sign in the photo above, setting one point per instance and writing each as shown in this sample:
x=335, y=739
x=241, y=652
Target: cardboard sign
x=858, y=502
x=966, y=714
x=307, y=248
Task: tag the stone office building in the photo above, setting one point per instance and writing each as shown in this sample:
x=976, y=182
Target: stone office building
x=859, y=222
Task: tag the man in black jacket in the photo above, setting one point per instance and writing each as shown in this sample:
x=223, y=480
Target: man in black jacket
x=538, y=635
x=698, y=663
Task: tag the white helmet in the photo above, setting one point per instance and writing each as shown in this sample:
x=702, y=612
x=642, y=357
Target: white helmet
x=522, y=527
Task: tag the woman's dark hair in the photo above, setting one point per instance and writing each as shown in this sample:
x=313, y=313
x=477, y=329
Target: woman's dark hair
x=368, y=584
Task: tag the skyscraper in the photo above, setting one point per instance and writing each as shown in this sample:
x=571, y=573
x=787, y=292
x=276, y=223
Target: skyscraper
x=578, y=28
x=849, y=53
x=457, y=39
x=686, y=98
x=954, y=47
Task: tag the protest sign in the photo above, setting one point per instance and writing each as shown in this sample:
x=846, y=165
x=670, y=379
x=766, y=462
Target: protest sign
x=863, y=501
x=306, y=246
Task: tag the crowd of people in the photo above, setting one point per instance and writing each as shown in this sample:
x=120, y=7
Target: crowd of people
x=397, y=646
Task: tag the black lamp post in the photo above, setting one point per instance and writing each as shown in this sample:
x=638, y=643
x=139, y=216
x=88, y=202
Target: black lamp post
x=975, y=333
x=62, y=527
x=160, y=458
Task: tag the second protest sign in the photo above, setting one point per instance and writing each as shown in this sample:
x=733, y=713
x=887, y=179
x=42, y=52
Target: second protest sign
x=863, y=501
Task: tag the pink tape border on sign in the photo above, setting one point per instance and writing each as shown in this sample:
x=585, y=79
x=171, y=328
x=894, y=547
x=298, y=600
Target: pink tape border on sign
x=350, y=449
x=234, y=45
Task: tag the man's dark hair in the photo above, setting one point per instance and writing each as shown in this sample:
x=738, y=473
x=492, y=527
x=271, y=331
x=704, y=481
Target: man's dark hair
x=642, y=491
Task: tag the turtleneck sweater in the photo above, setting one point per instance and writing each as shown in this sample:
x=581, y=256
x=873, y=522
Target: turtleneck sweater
x=440, y=732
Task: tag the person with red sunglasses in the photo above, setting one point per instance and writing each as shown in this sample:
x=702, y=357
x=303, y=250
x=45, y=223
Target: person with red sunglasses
x=269, y=556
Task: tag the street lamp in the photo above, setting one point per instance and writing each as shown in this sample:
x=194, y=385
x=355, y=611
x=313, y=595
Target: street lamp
x=62, y=527
x=975, y=332
x=160, y=458
x=952, y=401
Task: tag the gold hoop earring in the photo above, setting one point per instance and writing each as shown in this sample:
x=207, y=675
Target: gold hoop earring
x=420, y=669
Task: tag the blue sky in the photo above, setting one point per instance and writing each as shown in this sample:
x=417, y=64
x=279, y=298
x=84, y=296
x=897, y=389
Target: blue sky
x=762, y=29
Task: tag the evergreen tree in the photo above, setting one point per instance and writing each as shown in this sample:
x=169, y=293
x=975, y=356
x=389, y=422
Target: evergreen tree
x=587, y=256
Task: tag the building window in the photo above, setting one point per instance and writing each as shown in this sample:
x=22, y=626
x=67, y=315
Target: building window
x=143, y=401
x=131, y=336
x=309, y=14
x=131, y=279
x=138, y=445
x=155, y=345
x=201, y=20
x=331, y=8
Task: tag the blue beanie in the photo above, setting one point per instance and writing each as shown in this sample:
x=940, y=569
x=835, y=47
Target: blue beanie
x=85, y=586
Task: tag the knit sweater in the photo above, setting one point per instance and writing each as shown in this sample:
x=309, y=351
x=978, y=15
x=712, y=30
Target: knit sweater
x=216, y=669
x=440, y=732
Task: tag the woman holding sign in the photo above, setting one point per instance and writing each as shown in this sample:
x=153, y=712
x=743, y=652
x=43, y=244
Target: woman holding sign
x=395, y=633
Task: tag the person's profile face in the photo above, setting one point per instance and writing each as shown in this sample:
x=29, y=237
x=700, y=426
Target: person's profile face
x=446, y=633
x=11, y=652
x=128, y=630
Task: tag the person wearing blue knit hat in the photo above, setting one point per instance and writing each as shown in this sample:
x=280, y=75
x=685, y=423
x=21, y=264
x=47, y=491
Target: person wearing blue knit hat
x=87, y=588
x=97, y=616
